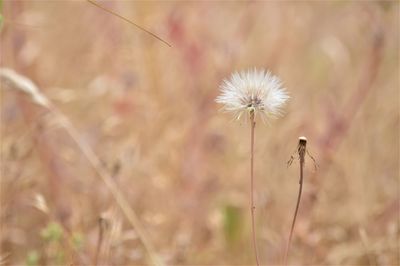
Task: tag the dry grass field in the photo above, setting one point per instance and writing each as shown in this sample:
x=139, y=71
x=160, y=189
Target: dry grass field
x=133, y=163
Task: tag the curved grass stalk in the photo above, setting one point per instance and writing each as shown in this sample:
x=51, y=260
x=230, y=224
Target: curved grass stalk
x=22, y=84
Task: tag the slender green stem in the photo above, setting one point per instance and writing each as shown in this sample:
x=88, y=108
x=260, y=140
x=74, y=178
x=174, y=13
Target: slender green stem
x=253, y=208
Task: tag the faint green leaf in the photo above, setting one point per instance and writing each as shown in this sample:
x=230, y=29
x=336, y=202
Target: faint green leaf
x=32, y=258
x=232, y=223
x=77, y=240
x=52, y=233
x=60, y=258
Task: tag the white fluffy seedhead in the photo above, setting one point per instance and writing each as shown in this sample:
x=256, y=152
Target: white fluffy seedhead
x=255, y=91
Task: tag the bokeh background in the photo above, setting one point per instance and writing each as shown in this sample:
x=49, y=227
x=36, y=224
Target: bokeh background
x=147, y=110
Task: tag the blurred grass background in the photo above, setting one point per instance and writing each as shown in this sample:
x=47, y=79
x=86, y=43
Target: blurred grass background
x=148, y=112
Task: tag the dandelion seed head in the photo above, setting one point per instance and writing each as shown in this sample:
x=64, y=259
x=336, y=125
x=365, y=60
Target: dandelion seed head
x=256, y=91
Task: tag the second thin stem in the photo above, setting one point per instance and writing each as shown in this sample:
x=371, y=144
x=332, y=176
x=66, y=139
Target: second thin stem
x=253, y=125
x=301, y=155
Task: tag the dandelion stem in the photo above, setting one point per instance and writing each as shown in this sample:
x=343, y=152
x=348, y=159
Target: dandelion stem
x=253, y=125
x=301, y=150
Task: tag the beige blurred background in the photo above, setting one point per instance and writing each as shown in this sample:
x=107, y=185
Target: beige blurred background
x=148, y=112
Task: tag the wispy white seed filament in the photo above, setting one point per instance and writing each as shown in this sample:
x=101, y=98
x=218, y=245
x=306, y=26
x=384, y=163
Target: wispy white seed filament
x=255, y=91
